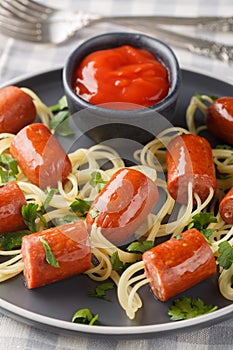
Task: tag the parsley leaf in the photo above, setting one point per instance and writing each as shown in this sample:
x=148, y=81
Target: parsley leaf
x=60, y=121
x=100, y=291
x=64, y=129
x=12, y=240
x=10, y=162
x=48, y=199
x=43, y=220
x=140, y=247
x=117, y=264
x=6, y=176
x=8, y=169
x=29, y=213
x=178, y=236
x=231, y=158
x=62, y=104
x=80, y=206
x=200, y=221
x=97, y=180
x=94, y=213
x=213, y=97
x=225, y=258
x=207, y=232
x=50, y=258
x=185, y=308
x=84, y=316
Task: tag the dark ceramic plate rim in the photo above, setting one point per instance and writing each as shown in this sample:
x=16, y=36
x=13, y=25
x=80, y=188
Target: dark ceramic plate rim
x=56, y=324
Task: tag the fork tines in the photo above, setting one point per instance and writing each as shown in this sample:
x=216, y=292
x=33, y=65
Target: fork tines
x=18, y=29
x=28, y=10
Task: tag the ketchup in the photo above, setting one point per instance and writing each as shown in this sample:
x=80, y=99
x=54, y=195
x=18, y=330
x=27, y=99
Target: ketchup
x=122, y=74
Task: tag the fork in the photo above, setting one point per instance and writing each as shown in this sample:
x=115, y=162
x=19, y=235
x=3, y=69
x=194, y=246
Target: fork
x=31, y=21
x=32, y=11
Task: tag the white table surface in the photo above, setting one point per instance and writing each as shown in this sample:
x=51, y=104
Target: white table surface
x=19, y=58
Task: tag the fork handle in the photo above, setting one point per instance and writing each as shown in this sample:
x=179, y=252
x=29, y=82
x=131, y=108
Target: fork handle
x=197, y=45
x=200, y=46
x=221, y=24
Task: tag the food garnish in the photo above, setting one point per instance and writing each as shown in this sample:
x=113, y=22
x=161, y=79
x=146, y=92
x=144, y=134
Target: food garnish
x=84, y=316
x=185, y=308
x=50, y=258
x=100, y=291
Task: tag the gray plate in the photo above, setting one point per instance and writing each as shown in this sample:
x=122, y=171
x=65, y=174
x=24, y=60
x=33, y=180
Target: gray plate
x=52, y=306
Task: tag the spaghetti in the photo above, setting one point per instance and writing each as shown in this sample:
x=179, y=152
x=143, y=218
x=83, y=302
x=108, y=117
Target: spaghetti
x=151, y=161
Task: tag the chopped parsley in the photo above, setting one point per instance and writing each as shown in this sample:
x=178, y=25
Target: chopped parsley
x=61, y=104
x=12, y=240
x=80, y=206
x=100, y=291
x=50, y=258
x=200, y=221
x=140, y=247
x=213, y=97
x=60, y=121
x=97, y=180
x=178, y=236
x=225, y=257
x=185, y=308
x=48, y=199
x=8, y=169
x=84, y=316
x=29, y=213
x=117, y=264
x=94, y=213
x=231, y=158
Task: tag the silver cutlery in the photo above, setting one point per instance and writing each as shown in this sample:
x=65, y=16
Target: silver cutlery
x=31, y=21
x=32, y=11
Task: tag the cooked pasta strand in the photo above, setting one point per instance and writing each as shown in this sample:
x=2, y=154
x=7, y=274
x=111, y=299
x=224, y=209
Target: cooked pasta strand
x=225, y=283
x=151, y=160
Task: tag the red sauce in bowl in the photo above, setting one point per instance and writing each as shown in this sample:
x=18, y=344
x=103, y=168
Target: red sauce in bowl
x=123, y=74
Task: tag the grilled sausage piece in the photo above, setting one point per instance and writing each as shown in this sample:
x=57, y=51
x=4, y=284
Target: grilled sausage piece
x=226, y=207
x=123, y=204
x=219, y=119
x=11, y=201
x=40, y=156
x=189, y=159
x=70, y=246
x=178, y=264
x=16, y=109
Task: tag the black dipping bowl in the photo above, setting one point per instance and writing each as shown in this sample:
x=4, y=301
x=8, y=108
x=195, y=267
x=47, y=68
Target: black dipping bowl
x=140, y=124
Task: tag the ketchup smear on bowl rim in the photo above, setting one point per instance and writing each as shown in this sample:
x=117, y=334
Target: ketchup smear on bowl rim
x=123, y=74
